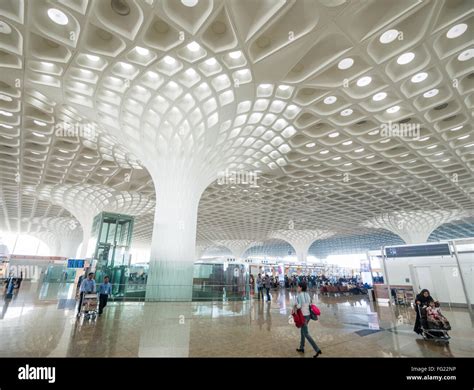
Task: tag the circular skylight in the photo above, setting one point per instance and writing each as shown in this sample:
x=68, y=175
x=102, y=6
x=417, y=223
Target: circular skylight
x=364, y=81
x=235, y=55
x=405, y=58
x=431, y=93
x=388, y=36
x=466, y=55
x=456, y=30
x=330, y=100
x=393, y=109
x=379, y=96
x=346, y=63
x=58, y=17
x=347, y=112
x=92, y=57
x=193, y=46
x=142, y=51
x=190, y=3
x=419, y=77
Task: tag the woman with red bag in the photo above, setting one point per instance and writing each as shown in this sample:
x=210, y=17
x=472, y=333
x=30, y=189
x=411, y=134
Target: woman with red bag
x=303, y=301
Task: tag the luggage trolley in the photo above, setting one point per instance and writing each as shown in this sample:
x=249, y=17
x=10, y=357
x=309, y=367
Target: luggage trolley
x=89, y=306
x=436, y=335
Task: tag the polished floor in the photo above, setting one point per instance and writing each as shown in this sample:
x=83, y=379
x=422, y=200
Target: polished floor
x=40, y=322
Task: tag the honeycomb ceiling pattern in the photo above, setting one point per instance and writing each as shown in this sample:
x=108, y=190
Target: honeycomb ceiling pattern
x=94, y=93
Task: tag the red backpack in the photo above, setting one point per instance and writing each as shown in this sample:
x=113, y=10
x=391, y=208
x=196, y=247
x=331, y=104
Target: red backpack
x=298, y=318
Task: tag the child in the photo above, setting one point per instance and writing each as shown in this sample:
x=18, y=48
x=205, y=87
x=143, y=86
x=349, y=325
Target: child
x=435, y=318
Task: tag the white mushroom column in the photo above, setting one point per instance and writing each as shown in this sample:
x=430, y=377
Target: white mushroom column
x=84, y=202
x=68, y=232
x=414, y=227
x=238, y=247
x=301, y=240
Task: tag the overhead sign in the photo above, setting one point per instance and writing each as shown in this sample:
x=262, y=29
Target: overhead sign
x=418, y=250
x=75, y=263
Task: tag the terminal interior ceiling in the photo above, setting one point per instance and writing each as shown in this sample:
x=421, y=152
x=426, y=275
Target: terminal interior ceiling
x=158, y=109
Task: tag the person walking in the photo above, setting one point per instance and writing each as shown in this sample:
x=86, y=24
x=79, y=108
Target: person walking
x=259, y=286
x=105, y=289
x=87, y=287
x=267, y=283
x=303, y=300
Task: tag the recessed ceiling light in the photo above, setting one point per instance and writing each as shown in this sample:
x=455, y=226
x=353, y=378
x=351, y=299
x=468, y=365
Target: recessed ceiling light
x=346, y=63
x=37, y=153
x=419, y=77
x=464, y=136
x=369, y=157
x=126, y=66
x=359, y=150
x=6, y=126
x=311, y=145
x=5, y=113
x=431, y=93
x=105, y=169
x=457, y=128
x=432, y=147
x=466, y=55
x=142, y=51
x=5, y=98
x=424, y=139
x=347, y=112
x=393, y=109
x=347, y=164
x=189, y=3
x=374, y=132
x=57, y=16
x=439, y=154
x=92, y=58
x=404, y=155
x=456, y=30
x=169, y=60
x=330, y=100
x=235, y=55
x=324, y=152
x=38, y=134
x=88, y=157
x=405, y=58
x=445, y=160
x=388, y=36
x=334, y=135
x=283, y=87
x=379, y=96
x=193, y=46
x=347, y=143
x=468, y=146
x=39, y=123
x=5, y=28
x=336, y=158
x=384, y=141
x=363, y=81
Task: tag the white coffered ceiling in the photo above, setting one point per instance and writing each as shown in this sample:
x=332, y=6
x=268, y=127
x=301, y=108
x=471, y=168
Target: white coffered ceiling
x=300, y=88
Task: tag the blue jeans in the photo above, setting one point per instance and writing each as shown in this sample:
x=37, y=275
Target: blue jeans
x=260, y=292
x=305, y=334
x=268, y=294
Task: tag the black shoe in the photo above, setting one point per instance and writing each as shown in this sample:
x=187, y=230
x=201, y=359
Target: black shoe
x=299, y=350
x=318, y=353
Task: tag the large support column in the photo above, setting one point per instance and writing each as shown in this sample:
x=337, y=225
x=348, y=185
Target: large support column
x=69, y=246
x=238, y=247
x=414, y=227
x=173, y=246
x=301, y=240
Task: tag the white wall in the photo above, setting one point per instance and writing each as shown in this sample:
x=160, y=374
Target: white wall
x=445, y=278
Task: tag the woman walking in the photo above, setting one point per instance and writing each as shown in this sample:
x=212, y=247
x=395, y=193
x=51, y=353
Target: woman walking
x=303, y=301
